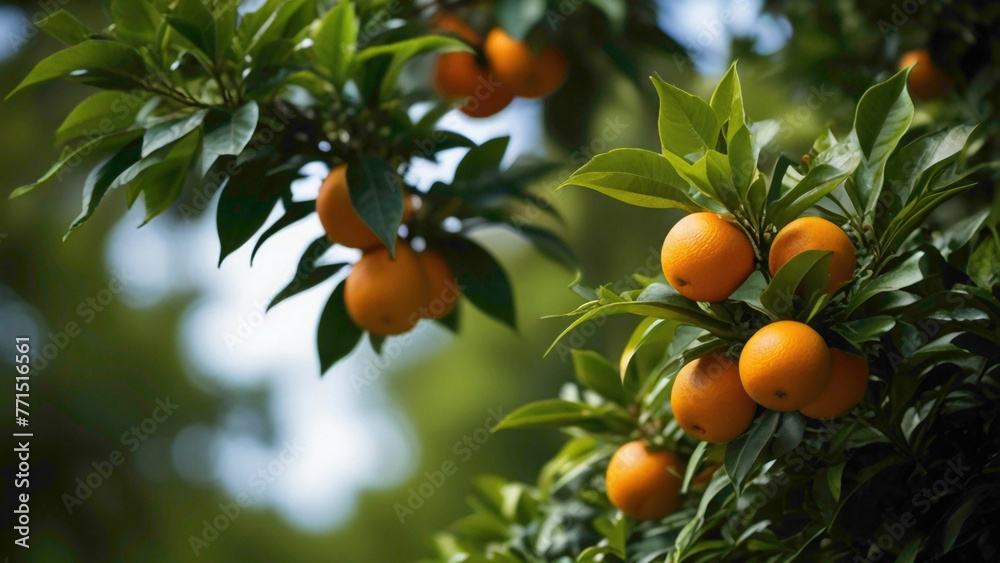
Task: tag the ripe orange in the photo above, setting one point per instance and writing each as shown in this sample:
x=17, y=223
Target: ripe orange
x=645, y=484
x=341, y=222
x=384, y=296
x=926, y=81
x=547, y=74
x=443, y=287
x=848, y=381
x=522, y=71
x=451, y=23
x=705, y=257
x=459, y=77
x=814, y=233
x=785, y=366
x=709, y=401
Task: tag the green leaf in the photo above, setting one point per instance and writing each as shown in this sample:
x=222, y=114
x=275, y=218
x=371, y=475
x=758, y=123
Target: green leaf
x=136, y=21
x=161, y=184
x=308, y=275
x=377, y=195
x=911, y=271
x=246, y=202
x=336, y=40
x=101, y=114
x=107, y=63
x=401, y=53
x=72, y=157
x=294, y=213
x=915, y=212
x=931, y=151
x=598, y=374
x=637, y=177
x=64, y=27
x=517, y=17
x=742, y=453
x=727, y=102
x=687, y=124
x=742, y=161
x=883, y=116
x=833, y=478
x=482, y=279
x=480, y=160
x=778, y=297
x=869, y=329
x=163, y=134
x=549, y=413
x=814, y=186
x=195, y=23
x=984, y=264
x=693, y=465
x=337, y=334
x=789, y=435
x=266, y=24
x=549, y=244
x=231, y=136
x=102, y=177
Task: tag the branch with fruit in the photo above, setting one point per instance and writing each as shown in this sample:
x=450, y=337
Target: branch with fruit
x=812, y=362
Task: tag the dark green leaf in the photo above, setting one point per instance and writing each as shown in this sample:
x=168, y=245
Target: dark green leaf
x=814, y=186
x=161, y=184
x=377, y=196
x=549, y=413
x=906, y=274
x=780, y=292
x=596, y=373
x=869, y=329
x=481, y=160
x=337, y=334
x=883, y=116
x=195, y=22
x=549, y=244
x=246, y=202
x=72, y=157
x=92, y=61
x=789, y=434
x=101, y=178
x=742, y=453
x=294, y=213
x=481, y=278
x=308, y=275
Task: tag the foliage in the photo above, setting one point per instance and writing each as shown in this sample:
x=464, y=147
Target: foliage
x=198, y=98
x=909, y=472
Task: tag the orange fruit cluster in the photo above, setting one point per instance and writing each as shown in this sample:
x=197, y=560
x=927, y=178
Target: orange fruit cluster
x=784, y=366
x=385, y=296
x=502, y=68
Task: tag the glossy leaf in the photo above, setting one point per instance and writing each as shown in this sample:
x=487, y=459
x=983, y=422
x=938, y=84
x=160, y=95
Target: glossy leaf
x=337, y=335
x=64, y=27
x=377, y=196
x=596, y=373
x=687, y=123
x=743, y=452
x=482, y=279
x=101, y=62
x=637, y=177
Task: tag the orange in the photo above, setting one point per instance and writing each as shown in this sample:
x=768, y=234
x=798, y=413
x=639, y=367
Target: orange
x=708, y=399
x=459, y=77
x=848, y=381
x=785, y=366
x=814, y=233
x=705, y=257
x=443, y=287
x=385, y=296
x=341, y=222
x=926, y=81
x=547, y=74
x=453, y=24
x=645, y=484
x=522, y=71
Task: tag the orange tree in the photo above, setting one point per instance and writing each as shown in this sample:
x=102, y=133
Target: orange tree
x=831, y=396
x=198, y=98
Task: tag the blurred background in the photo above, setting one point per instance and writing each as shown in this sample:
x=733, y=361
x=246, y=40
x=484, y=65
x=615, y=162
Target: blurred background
x=228, y=443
